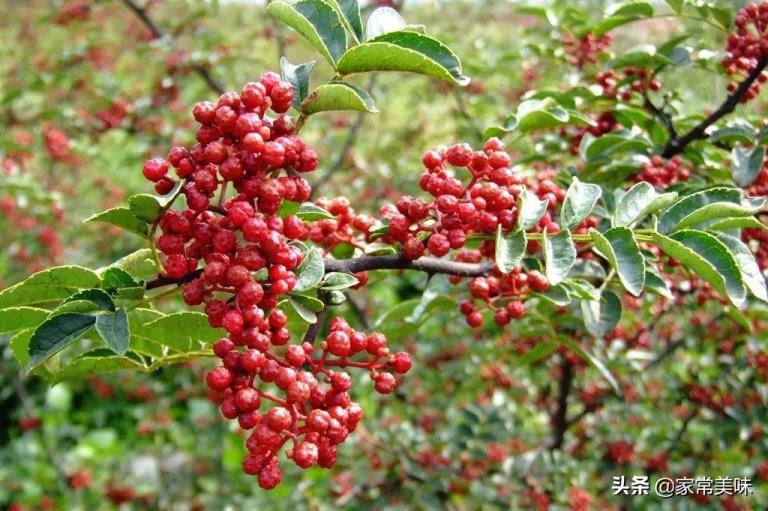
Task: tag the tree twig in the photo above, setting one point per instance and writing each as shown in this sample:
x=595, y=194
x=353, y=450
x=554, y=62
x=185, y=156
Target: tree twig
x=560, y=421
x=677, y=145
x=158, y=33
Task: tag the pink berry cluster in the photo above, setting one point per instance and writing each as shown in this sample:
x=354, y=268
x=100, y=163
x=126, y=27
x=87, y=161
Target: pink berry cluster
x=252, y=163
x=747, y=46
x=315, y=413
x=661, y=173
x=585, y=49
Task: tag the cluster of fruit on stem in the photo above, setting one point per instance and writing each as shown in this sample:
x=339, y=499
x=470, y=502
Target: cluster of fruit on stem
x=747, y=47
x=249, y=262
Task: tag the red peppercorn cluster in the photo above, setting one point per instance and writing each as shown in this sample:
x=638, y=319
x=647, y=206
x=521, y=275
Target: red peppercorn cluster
x=585, y=49
x=747, y=46
x=249, y=262
x=624, y=85
x=661, y=173
x=458, y=210
x=316, y=412
x=344, y=228
x=620, y=452
x=603, y=123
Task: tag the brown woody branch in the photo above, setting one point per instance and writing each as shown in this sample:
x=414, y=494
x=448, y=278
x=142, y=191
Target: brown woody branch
x=158, y=33
x=366, y=263
x=560, y=421
x=677, y=145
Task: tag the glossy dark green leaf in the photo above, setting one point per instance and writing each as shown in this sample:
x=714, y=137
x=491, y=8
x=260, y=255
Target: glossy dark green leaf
x=350, y=12
x=338, y=281
x=97, y=296
x=298, y=76
x=689, y=204
x=750, y=271
x=404, y=51
x=311, y=270
x=708, y=258
x=55, y=334
x=121, y=217
x=640, y=201
x=49, y=285
x=619, y=247
x=338, y=96
x=114, y=331
x=317, y=22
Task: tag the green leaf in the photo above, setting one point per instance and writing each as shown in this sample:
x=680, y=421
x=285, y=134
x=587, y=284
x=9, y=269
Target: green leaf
x=117, y=278
x=123, y=218
x=114, y=330
x=656, y=284
x=383, y=20
x=640, y=201
x=193, y=325
x=298, y=77
x=720, y=210
x=579, y=201
x=534, y=114
x=310, y=212
x=338, y=96
x=138, y=264
x=557, y=294
x=510, y=249
x=612, y=143
x=601, y=316
x=21, y=318
x=746, y=163
x=306, y=314
x=750, y=271
x=309, y=302
x=338, y=281
x=145, y=207
x=99, y=361
x=587, y=268
x=311, y=270
x=530, y=209
x=49, y=285
x=633, y=10
x=644, y=56
x=97, y=296
x=582, y=289
x=619, y=247
x=734, y=134
x=19, y=344
x=689, y=204
x=747, y=222
x=55, y=334
x=540, y=351
x=403, y=51
x=708, y=258
x=317, y=22
x=559, y=255
x=350, y=12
